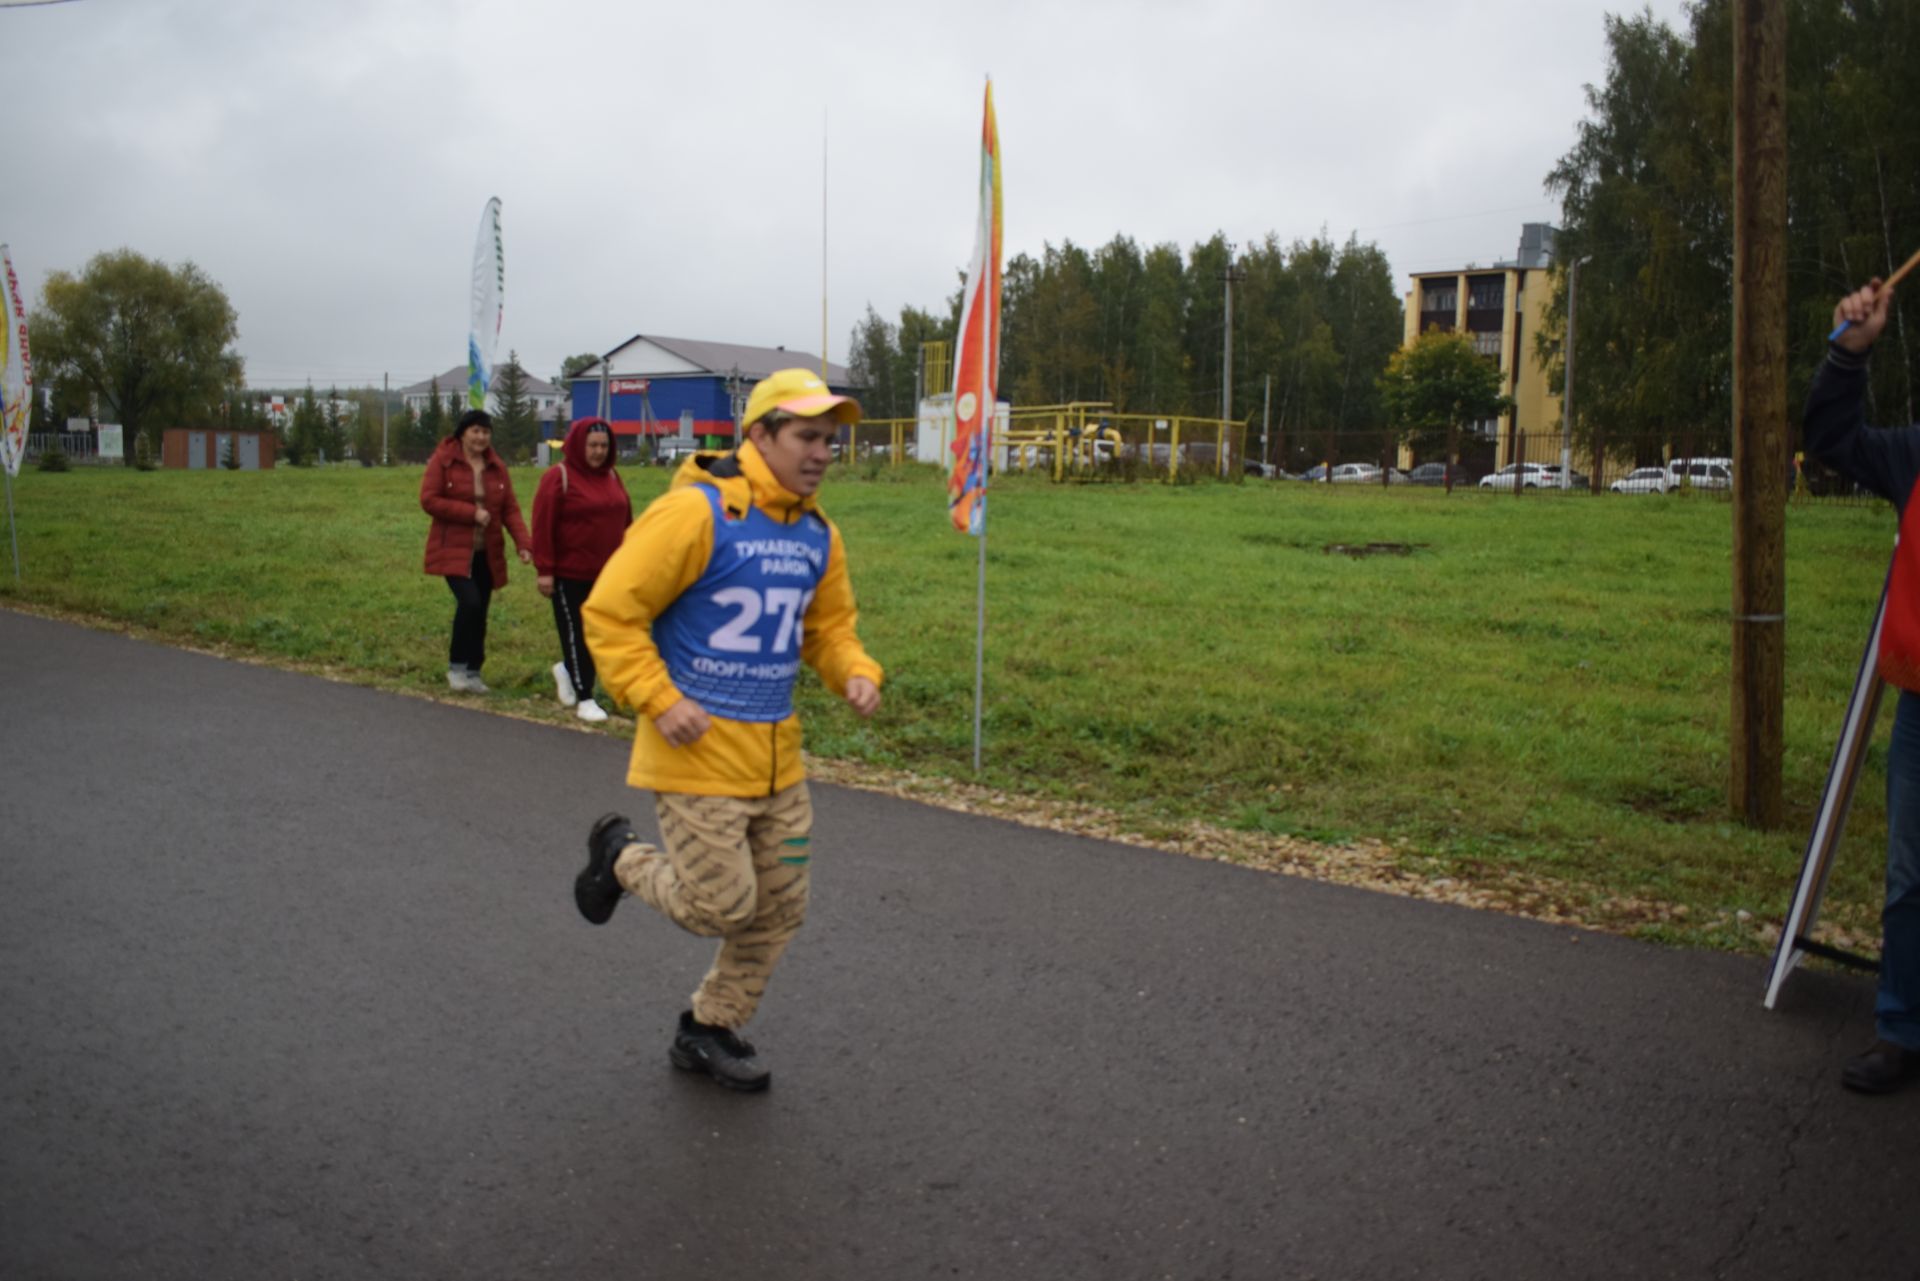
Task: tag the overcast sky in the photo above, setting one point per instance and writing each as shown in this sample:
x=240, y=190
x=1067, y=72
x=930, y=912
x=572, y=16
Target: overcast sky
x=660, y=165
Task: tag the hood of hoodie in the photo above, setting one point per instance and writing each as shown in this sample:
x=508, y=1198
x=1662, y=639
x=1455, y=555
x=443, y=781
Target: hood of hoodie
x=450, y=447
x=574, y=448
x=743, y=477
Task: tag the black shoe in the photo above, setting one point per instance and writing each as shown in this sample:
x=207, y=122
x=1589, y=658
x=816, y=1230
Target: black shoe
x=596, y=891
x=719, y=1053
x=1884, y=1068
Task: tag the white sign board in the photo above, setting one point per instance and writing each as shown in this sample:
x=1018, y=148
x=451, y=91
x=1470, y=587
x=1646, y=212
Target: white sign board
x=110, y=441
x=75, y=426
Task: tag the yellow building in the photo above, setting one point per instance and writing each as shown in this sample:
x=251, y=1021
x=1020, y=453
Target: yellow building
x=1500, y=307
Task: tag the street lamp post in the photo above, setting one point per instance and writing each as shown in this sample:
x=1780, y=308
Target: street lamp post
x=736, y=401
x=1266, y=420
x=1566, y=398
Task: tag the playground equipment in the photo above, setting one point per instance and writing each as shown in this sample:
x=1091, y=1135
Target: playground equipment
x=1084, y=438
x=1078, y=440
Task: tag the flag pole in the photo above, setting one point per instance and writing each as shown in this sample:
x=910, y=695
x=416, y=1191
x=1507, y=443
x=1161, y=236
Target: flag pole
x=980, y=596
x=976, y=370
x=14, y=531
x=823, y=244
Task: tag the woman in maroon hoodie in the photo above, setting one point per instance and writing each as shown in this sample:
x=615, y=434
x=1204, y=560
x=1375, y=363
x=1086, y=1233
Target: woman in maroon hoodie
x=470, y=496
x=580, y=513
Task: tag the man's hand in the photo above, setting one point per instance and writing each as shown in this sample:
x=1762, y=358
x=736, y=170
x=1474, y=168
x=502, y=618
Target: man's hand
x=545, y=584
x=1864, y=311
x=526, y=557
x=863, y=696
x=481, y=516
x=683, y=723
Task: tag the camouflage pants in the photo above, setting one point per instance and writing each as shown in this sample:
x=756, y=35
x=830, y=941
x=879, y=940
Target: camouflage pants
x=735, y=869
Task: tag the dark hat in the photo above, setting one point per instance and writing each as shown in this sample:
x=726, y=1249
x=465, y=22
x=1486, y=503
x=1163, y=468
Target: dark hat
x=472, y=418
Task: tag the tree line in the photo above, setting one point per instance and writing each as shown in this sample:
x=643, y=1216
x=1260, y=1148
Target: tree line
x=1647, y=191
x=516, y=418
x=1146, y=331
x=150, y=346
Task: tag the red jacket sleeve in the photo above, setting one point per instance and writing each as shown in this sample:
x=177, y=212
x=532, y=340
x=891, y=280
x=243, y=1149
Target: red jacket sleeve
x=510, y=509
x=435, y=503
x=546, y=521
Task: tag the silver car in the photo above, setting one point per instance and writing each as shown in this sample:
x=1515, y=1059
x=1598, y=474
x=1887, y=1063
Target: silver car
x=1366, y=474
x=1527, y=475
x=1700, y=473
x=1642, y=480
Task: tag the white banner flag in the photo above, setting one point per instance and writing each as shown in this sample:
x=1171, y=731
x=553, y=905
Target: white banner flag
x=488, y=305
x=16, y=374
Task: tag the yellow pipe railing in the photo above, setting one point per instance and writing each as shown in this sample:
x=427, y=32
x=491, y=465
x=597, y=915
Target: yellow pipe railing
x=1073, y=434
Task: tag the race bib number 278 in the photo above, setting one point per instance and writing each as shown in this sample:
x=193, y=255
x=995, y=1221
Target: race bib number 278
x=781, y=607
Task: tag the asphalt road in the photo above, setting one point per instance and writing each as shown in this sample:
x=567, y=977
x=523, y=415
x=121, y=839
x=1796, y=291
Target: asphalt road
x=294, y=988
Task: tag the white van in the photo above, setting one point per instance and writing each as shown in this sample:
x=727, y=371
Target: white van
x=1700, y=473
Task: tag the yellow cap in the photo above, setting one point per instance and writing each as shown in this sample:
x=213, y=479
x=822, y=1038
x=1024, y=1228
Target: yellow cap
x=801, y=393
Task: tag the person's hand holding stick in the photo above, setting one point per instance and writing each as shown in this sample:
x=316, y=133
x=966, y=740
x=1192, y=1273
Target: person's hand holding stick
x=1846, y=322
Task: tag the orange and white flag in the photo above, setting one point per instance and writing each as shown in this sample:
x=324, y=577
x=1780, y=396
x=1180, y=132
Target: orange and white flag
x=977, y=370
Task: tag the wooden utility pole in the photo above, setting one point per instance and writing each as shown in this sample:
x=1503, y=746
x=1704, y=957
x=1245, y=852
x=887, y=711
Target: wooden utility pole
x=1759, y=406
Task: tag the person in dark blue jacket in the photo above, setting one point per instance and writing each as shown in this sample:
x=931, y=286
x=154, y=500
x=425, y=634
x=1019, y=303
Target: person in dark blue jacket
x=1888, y=463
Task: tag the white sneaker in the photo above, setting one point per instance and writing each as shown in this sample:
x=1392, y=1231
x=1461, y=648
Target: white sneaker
x=475, y=685
x=589, y=711
x=457, y=679
x=564, y=683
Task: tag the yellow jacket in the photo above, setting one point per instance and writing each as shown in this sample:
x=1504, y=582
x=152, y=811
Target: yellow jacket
x=664, y=553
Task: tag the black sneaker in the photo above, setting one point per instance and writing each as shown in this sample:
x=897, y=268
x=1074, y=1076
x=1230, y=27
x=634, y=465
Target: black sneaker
x=596, y=891
x=1882, y=1069
x=719, y=1053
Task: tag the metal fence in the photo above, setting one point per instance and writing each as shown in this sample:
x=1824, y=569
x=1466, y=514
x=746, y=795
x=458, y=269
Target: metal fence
x=79, y=446
x=1082, y=441
x=1088, y=442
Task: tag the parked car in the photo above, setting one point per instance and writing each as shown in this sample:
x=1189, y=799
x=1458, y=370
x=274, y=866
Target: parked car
x=1700, y=473
x=1251, y=467
x=671, y=453
x=1642, y=480
x=1436, y=474
x=1526, y=475
x=1356, y=474
x=1317, y=472
x=1580, y=479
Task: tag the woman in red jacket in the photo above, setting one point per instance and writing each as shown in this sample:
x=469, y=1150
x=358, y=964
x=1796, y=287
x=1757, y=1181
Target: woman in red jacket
x=580, y=513
x=470, y=496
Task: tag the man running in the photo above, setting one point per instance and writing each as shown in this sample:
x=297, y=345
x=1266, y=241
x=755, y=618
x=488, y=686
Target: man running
x=700, y=621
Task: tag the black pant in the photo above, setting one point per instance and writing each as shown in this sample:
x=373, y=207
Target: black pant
x=471, y=597
x=569, y=594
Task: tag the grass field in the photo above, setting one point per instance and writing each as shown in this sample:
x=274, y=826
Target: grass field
x=1536, y=695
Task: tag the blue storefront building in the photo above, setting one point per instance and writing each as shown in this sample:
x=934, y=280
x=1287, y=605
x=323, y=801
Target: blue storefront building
x=681, y=389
